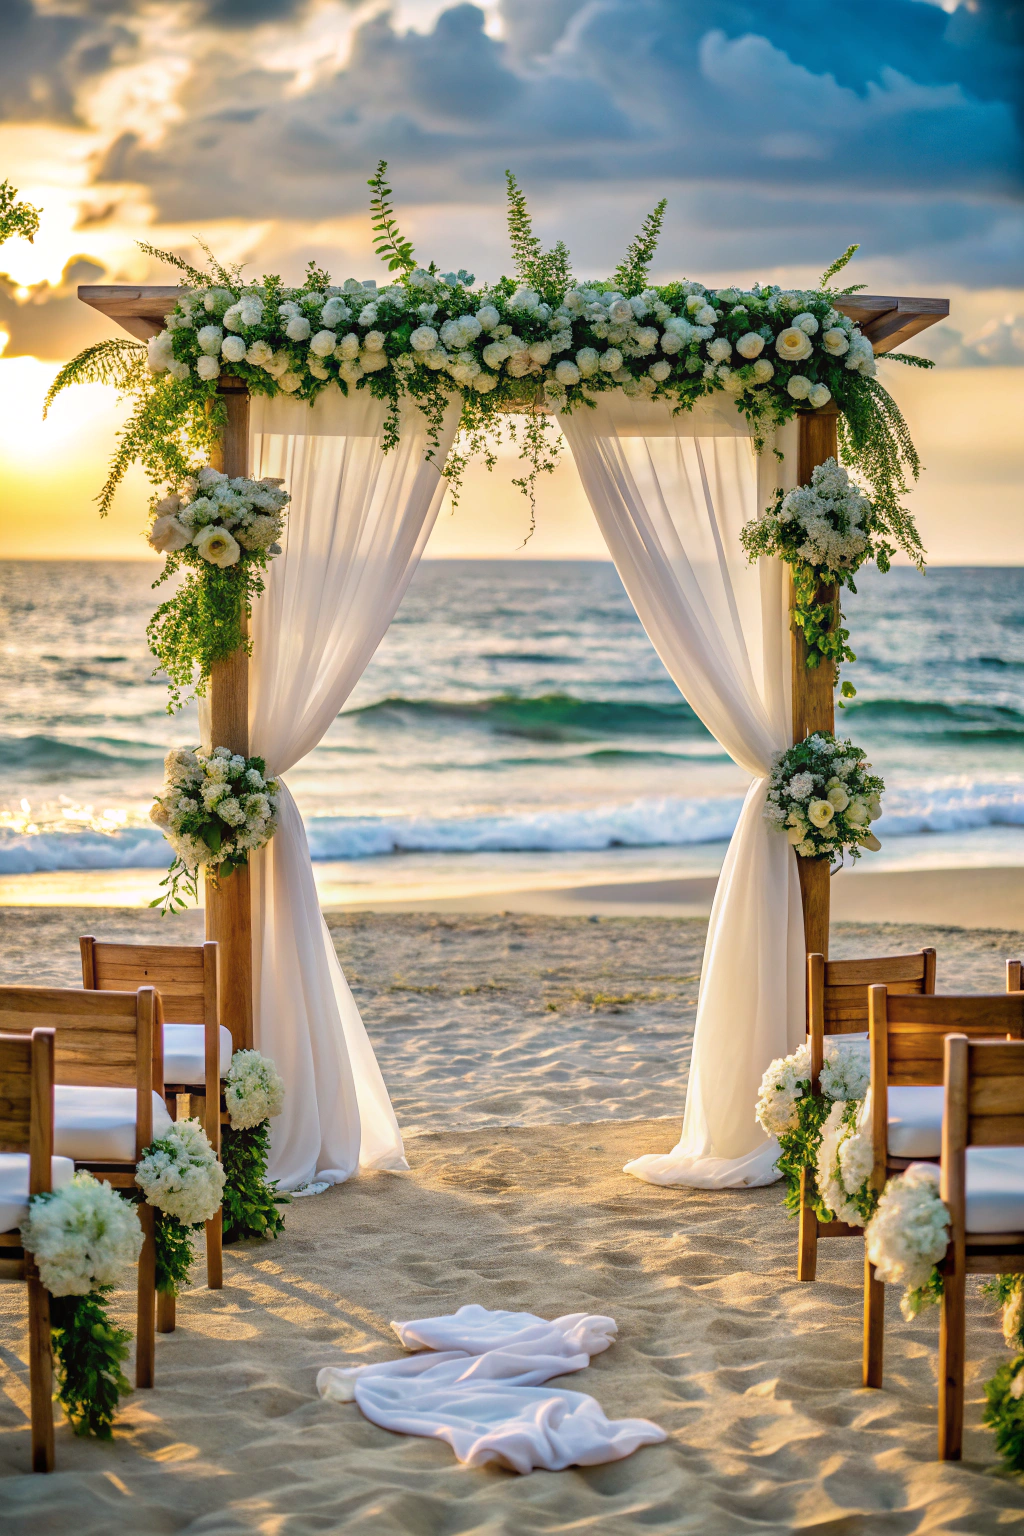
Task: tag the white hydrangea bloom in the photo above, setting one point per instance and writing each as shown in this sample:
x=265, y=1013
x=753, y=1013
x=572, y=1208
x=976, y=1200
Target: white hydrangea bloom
x=232, y=349
x=782, y=1086
x=253, y=1090
x=750, y=345
x=909, y=1233
x=180, y=1175
x=82, y=1237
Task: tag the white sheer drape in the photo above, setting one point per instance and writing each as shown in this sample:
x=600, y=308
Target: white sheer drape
x=671, y=494
x=357, y=525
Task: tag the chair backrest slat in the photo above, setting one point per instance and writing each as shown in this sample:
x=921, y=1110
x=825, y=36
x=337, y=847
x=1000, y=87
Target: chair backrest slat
x=846, y=982
x=995, y=1094
x=101, y=1039
x=185, y=975
x=26, y=1102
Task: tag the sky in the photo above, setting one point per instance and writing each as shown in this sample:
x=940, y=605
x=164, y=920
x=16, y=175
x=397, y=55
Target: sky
x=779, y=133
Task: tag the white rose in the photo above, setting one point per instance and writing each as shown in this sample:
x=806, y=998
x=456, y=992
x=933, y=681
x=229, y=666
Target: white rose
x=208, y=367
x=587, y=361
x=705, y=315
x=210, y=338
x=259, y=354
x=217, y=546
x=799, y=386
x=566, y=372
x=751, y=345
x=232, y=349
x=423, y=339
x=298, y=328
x=610, y=361
x=167, y=534
x=820, y=395
x=838, y=797
x=488, y=317
x=159, y=352
x=660, y=371
x=763, y=370
x=720, y=350
x=373, y=341
x=836, y=342
x=793, y=344
x=323, y=343
x=807, y=323
x=820, y=812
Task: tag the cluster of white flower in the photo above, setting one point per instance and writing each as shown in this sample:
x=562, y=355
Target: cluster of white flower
x=253, y=1090
x=221, y=518
x=827, y=523
x=180, y=1175
x=216, y=807
x=846, y=1071
x=909, y=1232
x=821, y=795
x=685, y=337
x=845, y=1074
x=845, y=1159
x=82, y=1237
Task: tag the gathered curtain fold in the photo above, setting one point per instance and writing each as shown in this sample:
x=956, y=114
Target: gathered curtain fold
x=670, y=494
x=357, y=525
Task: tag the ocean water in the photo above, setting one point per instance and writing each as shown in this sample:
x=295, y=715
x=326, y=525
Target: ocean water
x=515, y=721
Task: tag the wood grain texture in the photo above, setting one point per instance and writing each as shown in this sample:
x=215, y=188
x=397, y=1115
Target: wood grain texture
x=815, y=894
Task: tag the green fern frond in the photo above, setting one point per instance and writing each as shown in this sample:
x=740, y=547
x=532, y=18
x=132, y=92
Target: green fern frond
x=389, y=243
x=631, y=275
x=196, y=278
x=116, y=361
x=526, y=248
x=837, y=266
x=228, y=277
x=912, y=359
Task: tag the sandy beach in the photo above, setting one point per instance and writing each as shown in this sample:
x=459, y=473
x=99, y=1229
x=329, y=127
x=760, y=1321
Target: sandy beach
x=528, y=1058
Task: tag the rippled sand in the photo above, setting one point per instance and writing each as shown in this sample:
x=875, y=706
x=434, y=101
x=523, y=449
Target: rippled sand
x=479, y=1023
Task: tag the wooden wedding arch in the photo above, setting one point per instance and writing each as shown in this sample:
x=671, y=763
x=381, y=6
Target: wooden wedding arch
x=887, y=321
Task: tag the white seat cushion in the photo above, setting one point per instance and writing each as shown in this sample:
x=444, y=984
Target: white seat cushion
x=14, y=1185
x=915, y=1121
x=185, y=1053
x=995, y=1189
x=98, y=1124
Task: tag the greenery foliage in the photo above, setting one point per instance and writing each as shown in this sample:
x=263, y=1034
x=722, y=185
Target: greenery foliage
x=202, y=623
x=798, y=1150
x=389, y=244
x=631, y=274
x=1004, y=1411
x=251, y=1200
x=175, y=1253
x=16, y=218
x=90, y=1352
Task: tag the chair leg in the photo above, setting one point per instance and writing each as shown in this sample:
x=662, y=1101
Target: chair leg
x=165, y=1312
x=807, y=1242
x=40, y=1368
x=215, y=1252
x=952, y=1350
x=145, y=1330
x=874, y=1326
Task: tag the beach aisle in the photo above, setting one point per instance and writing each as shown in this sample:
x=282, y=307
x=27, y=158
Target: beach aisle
x=479, y=1021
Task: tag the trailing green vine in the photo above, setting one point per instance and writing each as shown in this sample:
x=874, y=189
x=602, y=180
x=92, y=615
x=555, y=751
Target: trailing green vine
x=90, y=1351
x=251, y=1200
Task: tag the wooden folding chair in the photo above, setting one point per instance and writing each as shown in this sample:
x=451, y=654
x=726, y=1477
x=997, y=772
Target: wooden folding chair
x=983, y=1186
x=197, y=1047
x=26, y=1127
x=105, y=1043
x=907, y=1072
x=837, y=1004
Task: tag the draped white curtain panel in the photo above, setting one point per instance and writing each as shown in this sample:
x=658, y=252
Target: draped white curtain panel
x=357, y=525
x=671, y=493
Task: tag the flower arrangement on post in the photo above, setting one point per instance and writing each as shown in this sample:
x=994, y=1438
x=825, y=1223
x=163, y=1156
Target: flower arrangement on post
x=82, y=1237
x=822, y=796
x=224, y=531
x=788, y=1109
x=824, y=532
x=253, y=1095
x=180, y=1176
x=215, y=809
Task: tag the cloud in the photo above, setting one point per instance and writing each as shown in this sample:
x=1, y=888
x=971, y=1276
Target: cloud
x=1000, y=344
x=50, y=321
x=45, y=57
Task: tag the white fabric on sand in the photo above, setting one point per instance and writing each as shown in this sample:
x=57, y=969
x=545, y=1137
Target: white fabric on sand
x=481, y=1389
x=357, y=524
x=670, y=494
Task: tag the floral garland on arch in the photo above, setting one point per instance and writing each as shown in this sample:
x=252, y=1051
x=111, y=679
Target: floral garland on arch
x=81, y=1238
x=215, y=809
x=539, y=339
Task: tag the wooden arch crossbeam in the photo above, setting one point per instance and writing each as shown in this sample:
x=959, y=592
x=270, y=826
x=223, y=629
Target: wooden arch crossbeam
x=887, y=320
